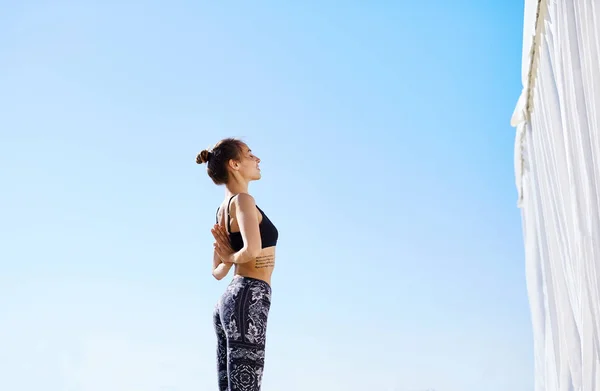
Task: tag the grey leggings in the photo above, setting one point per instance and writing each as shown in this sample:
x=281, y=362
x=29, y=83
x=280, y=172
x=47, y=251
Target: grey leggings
x=240, y=320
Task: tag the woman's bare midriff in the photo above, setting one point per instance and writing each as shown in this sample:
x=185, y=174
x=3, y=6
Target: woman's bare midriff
x=261, y=268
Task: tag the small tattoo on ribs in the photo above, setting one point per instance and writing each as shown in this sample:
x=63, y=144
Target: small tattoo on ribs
x=264, y=262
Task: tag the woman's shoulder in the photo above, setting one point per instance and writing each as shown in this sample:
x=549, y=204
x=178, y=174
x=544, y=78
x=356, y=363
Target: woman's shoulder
x=244, y=199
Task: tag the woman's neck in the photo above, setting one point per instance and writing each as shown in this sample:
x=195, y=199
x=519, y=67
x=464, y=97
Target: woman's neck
x=236, y=188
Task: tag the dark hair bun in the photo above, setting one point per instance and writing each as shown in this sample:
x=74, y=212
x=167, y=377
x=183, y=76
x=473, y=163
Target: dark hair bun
x=203, y=157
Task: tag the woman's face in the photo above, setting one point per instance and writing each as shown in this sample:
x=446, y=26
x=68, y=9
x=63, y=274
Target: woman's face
x=249, y=164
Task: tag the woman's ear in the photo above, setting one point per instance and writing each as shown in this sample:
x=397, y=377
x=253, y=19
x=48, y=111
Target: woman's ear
x=234, y=164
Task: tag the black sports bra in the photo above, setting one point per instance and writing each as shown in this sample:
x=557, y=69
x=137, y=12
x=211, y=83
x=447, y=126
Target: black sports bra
x=268, y=231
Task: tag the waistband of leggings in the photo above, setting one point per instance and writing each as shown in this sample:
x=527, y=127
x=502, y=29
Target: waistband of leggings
x=252, y=279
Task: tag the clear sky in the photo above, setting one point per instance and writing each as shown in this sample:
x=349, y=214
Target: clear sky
x=387, y=162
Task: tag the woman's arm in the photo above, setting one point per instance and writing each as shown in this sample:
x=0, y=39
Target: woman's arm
x=247, y=218
x=220, y=269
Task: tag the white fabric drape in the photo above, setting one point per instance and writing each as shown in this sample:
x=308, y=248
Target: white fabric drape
x=557, y=167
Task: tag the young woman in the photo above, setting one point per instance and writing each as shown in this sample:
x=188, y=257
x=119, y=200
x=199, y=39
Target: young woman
x=245, y=238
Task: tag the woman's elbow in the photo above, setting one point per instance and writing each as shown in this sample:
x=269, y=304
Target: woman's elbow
x=252, y=252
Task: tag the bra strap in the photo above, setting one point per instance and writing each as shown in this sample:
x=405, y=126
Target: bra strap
x=228, y=218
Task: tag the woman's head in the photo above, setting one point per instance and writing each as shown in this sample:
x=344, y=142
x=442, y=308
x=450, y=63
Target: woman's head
x=230, y=159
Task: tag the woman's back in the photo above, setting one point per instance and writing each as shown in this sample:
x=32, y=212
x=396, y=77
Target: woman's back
x=263, y=265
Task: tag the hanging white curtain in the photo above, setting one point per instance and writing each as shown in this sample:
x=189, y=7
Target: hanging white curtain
x=557, y=166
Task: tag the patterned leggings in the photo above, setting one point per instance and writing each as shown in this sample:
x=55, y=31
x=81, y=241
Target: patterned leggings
x=240, y=320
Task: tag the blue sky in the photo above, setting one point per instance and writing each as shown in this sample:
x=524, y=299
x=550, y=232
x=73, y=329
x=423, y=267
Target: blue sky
x=387, y=160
